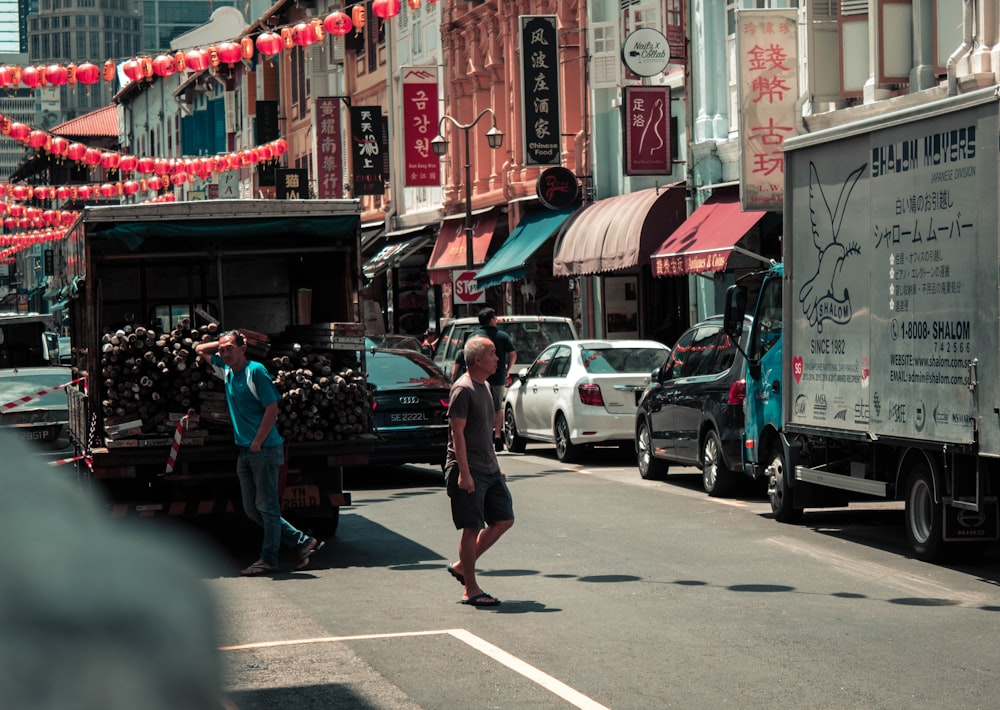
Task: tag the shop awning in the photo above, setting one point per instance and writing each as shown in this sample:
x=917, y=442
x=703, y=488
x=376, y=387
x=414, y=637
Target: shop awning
x=370, y=231
x=706, y=239
x=392, y=254
x=534, y=229
x=449, y=249
x=618, y=232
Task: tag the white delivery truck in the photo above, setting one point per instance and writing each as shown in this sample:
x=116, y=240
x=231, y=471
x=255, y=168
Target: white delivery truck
x=872, y=364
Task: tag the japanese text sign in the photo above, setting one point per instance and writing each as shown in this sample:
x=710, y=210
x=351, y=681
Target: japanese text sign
x=329, y=156
x=420, y=123
x=540, y=89
x=647, y=130
x=767, y=46
x=366, y=147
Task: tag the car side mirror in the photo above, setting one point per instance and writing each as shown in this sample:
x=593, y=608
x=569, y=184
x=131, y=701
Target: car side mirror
x=522, y=374
x=735, y=312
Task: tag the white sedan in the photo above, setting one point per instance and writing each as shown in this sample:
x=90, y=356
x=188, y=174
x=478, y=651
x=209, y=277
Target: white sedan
x=580, y=392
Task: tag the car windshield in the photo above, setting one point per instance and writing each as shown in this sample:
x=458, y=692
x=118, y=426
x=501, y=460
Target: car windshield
x=388, y=370
x=532, y=337
x=621, y=360
x=15, y=384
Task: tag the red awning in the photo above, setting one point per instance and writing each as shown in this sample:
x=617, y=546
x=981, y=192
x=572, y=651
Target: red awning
x=705, y=240
x=449, y=249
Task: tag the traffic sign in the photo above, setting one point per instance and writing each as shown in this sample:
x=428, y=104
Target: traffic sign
x=466, y=287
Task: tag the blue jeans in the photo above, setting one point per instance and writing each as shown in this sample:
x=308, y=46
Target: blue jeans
x=258, y=473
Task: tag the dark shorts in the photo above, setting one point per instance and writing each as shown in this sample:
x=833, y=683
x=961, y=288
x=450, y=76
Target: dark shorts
x=488, y=504
x=498, y=392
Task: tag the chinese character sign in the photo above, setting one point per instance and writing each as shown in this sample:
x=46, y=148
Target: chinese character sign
x=540, y=89
x=767, y=45
x=329, y=158
x=366, y=146
x=647, y=130
x=292, y=184
x=420, y=124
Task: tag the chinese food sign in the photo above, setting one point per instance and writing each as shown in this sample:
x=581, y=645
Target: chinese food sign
x=540, y=89
x=767, y=46
x=420, y=122
x=366, y=144
x=329, y=159
x=647, y=130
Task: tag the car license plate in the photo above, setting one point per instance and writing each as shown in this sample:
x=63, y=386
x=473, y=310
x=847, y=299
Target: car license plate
x=300, y=497
x=404, y=417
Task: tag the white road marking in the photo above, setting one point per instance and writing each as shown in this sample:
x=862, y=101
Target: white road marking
x=554, y=686
x=889, y=576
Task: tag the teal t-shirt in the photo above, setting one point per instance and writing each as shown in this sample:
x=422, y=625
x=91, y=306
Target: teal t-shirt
x=246, y=409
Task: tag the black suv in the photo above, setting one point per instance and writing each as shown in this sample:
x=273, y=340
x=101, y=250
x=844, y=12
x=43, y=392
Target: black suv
x=692, y=412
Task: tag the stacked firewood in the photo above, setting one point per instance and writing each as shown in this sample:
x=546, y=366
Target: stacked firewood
x=150, y=377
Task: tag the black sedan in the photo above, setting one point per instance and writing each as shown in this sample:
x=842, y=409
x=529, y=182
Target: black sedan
x=410, y=401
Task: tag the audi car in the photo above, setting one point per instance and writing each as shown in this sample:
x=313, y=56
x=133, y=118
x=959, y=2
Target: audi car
x=33, y=403
x=410, y=401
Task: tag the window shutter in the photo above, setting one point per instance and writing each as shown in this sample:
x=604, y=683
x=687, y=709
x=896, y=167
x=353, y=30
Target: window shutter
x=822, y=31
x=605, y=63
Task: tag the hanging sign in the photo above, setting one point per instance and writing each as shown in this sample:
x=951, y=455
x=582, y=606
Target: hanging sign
x=557, y=188
x=420, y=122
x=540, y=90
x=646, y=52
x=366, y=149
x=329, y=153
x=647, y=130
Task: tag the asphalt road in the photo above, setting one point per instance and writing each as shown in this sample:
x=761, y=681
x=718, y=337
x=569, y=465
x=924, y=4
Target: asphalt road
x=617, y=593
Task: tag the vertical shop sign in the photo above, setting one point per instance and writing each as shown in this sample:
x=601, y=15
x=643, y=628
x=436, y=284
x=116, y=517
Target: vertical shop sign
x=329, y=157
x=366, y=150
x=540, y=90
x=647, y=130
x=767, y=47
x=292, y=184
x=420, y=122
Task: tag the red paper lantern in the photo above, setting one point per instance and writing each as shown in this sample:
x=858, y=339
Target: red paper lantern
x=62, y=192
x=197, y=60
x=37, y=138
x=154, y=183
x=84, y=192
x=130, y=187
x=31, y=77
x=385, y=8
x=302, y=35
x=107, y=190
x=15, y=209
x=337, y=23
x=109, y=160
x=269, y=44
x=58, y=145
x=164, y=65
x=161, y=166
x=6, y=76
x=146, y=165
x=75, y=151
x=49, y=216
x=19, y=131
x=358, y=17
x=133, y=70
x=179, y=178
x=128, y=163
x=88, y=73
x=414, y=4
x=67, y=217
x=56, y=74
x=229, y=52
x=280, y=146
x=92, y=157
x=41, y=193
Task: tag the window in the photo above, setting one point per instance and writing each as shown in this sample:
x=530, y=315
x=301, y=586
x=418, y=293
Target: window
x=560, y=362
x=541, y=364
x=767, y=327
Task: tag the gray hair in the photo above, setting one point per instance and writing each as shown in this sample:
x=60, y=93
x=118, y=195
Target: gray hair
x=475, y=347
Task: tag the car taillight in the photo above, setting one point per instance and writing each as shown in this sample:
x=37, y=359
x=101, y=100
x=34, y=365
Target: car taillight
x=445, y=403
x=737, y=392
x=591, y=394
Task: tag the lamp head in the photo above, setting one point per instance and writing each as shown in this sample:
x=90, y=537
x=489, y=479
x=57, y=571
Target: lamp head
x=494, y=137
x=440, y=146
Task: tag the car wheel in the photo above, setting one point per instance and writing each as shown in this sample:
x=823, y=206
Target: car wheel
x=650, y=467
x=778, y=490
x=566, y=450
x=924, y=518
x=715, y=477
x=514, y=443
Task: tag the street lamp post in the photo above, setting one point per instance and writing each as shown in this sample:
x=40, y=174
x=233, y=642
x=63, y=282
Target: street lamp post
x=440, y=146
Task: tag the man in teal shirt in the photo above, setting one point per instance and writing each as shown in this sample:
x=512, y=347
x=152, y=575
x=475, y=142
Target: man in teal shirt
x=253, y=407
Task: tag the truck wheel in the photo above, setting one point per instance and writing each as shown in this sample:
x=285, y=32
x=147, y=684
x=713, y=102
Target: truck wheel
x=514, y=443
x=924, y=518
x=778, y=490
x=650, y=467
x=717, y=480
x=566, y=450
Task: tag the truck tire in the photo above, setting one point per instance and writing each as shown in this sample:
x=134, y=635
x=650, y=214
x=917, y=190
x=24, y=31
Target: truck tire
x=778, y=490
x=650, y=467
x=566, y=450
x=924, y=518
x=715, y=477
x=514, y=443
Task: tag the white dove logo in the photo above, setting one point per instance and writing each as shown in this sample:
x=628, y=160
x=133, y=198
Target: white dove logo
x=819, y=296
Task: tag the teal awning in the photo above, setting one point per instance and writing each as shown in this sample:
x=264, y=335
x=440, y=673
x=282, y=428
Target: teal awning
x=534, y=229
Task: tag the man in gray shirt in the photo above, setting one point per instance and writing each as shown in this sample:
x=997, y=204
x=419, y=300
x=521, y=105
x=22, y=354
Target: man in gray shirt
x=481, y=504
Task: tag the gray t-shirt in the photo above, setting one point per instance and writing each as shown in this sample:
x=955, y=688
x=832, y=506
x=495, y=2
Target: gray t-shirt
x=473, y=402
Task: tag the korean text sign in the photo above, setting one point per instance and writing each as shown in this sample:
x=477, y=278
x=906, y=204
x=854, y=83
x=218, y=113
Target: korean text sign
x=420, y=123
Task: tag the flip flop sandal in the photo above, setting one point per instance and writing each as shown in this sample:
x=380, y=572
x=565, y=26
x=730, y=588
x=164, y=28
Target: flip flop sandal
x=483, y=599
x=258, y=569
x=456, y=575
x=308, y=551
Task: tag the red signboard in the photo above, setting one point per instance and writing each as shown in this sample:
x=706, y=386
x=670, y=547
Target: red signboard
x=329, y=158
x=420, y=123
x=647, y=130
